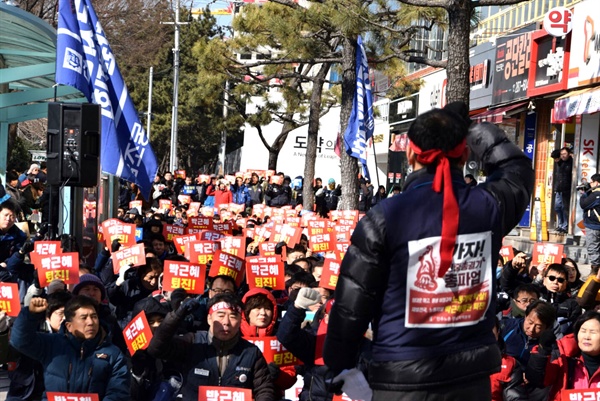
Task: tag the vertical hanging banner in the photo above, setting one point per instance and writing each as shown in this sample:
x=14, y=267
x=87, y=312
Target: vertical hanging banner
x=85, y=61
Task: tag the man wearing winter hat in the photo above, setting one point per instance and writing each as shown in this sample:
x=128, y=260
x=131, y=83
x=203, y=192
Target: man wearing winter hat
x=91, y=286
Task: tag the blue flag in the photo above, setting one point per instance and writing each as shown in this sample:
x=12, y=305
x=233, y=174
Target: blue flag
x=361, y=122
x=85, y=61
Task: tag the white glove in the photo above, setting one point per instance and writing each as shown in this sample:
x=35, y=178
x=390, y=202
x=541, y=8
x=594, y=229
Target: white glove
x=122, y=273
x=4, y=319
x=355, y=385
x=307, y=297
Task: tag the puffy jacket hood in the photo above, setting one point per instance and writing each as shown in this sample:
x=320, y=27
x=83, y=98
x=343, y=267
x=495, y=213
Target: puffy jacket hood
x=253, y=331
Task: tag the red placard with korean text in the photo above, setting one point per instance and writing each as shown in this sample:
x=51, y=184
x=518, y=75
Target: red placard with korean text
x=44, y=248
x=265, y=271
x=201, y=222
x=344, y=214
x=201, y=252
x=331, y=272
x=208, y=235
x=184, y=199
x=125, y=256
x=171, y=230
x=207, y=211
x=320, y=242
x=261, y=233
x=137, y=333
x=308, y=216
x=546, y=252
x=209, y=393
x=136, y=204
x=181, y=241
x=188, y=276
x=193, y=209
x=507, y=253
x=52, y=396
x=258, y=210
x=165, y=204
x=267, y=248
x=293, y=221
x=341, y=247
x=113, y=229
x=9, y=299
x=180, y=174
x=273, y=351
x=276, y=179
x=229, y=265
x=63, y=267
x=225, y=227
x=580, y=394
x=233, y=245
x=342, y=397
x=203, y=178
x=286, y=233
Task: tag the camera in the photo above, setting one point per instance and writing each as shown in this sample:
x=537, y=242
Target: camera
x=585, y=187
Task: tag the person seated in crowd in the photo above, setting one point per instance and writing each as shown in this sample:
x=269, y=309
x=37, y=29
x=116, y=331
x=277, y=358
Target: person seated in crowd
x=218, y=358
x=574, y=281
x=523, y=296
x=81, y=346
x=572, y=362
x=508, y=383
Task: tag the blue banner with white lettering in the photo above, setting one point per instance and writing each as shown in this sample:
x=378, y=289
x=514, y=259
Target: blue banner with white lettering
x=361, y=123
x=85, y=61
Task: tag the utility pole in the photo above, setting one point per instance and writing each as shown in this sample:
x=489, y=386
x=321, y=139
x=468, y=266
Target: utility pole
x=223, y=144
x=173, y=163
x=149, y=113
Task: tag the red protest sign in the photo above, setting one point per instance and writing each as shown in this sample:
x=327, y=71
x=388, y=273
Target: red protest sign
x=229, y=265
x=580, y=394
x=276, y=179
x=9, y=299
x=225, y=227
x=331, y=272
x=261, y=233
x=344, y=214
x=113, y=229
x=341, y=247
x=320, y=242
x=342, y=397
x=207, y=211
x=165, y=204
x=201, y=251
x=286, y=233
x=136, y=204
x=171, y=230
x=44, y=248
x=208, y=235
x=233, y=245
x=507, y=253
x=210, y=393
x=181, y=241
x=258, y=210
x=52, y=396
x=546, y=252
x=293, y=221
x=308, y=216
x=273, y=351
x=184, y=199
x=267, y=248
x=63, y=267
x=180, y=174
x=265, y=271
x=137, y=333
x=133, y=255
x=343, y=236
x=203, y=178
x=193, y=209
x=201, y=222
x=188, y=276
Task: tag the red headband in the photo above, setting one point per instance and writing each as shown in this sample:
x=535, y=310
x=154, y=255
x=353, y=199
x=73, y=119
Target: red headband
x=224, y=306
x=450, y=211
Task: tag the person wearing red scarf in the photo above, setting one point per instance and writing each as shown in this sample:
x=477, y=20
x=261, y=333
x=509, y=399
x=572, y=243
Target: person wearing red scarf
x=421, y=265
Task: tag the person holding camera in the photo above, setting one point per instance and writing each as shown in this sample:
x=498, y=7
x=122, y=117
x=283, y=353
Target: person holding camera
x=590, y=203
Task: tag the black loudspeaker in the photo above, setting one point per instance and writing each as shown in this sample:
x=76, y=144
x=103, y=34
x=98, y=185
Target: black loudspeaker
x=73, y=144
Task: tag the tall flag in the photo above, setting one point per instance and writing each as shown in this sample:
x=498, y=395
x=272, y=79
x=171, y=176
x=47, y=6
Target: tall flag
x=361, y=122
x=85, y=61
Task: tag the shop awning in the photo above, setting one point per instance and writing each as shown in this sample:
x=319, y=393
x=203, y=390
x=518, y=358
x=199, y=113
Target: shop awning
x=498, y=114
x=585, y=101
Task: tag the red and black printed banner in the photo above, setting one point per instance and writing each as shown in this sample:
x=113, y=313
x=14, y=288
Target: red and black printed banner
x=63, y=267
x=133, y=255
x=44, y=248
x=210, y=393
x=228, y=265
x=273, y=351
x=546, y=252
x=52, y=396
x=171, y=230
x=331, y=272
x=188, y=276
x=9, y=299
x=200, y=222
x=113, y=229
x=265, y=271
x=507, y=253
x=137, y=333
x=201, y=252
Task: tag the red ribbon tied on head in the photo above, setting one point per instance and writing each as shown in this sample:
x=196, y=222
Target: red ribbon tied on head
x=450, y=211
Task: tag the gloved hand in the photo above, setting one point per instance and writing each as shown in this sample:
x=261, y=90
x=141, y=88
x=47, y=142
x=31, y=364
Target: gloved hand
x=27, y=247
x=122, y=272
x=4, y=319
x=140, y=361
x=187, y=306
x=114, y=246
x=307, y=297
x=546, y=342
x=274, y=370
x=333, y=386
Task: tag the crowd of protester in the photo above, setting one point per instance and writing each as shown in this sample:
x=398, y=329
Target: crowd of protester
x=71, y=338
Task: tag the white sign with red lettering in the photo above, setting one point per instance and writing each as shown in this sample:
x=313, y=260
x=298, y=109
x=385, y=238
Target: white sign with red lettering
x=558, y=21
